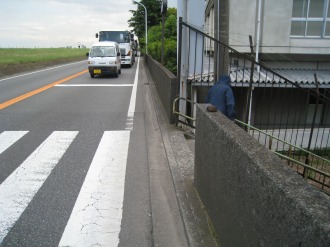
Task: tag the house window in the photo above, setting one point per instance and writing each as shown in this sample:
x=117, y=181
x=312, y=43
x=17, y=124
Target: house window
x=310, y=18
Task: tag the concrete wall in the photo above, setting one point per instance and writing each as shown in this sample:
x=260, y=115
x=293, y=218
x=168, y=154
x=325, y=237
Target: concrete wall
x=165, y=83
x=275, y=24
x=242, y=21
x=252, y=198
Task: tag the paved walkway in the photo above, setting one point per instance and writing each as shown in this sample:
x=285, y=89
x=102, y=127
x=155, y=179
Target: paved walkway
x=176, y=147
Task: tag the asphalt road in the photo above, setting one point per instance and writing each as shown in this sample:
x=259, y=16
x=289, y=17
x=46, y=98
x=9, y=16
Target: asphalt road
x=65, y=140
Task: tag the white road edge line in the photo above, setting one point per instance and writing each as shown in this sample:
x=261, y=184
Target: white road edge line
x=8, y=138
x=96, y=217
x=34, y=72
x=17, y=191
x=94, y=85
x=131, y=108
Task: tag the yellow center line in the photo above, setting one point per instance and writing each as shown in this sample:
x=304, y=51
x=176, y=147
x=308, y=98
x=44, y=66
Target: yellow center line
x=39, y=90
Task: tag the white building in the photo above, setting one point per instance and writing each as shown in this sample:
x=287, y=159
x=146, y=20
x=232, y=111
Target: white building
x=292, y=38
x=289, y=30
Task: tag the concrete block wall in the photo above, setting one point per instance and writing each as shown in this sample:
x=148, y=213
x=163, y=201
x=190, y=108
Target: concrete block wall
x=165, y=83
x=252, y=198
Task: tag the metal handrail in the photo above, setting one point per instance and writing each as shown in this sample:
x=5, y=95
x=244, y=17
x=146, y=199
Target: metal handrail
x=246, y=56
x=285, y=142
x=306, y=152
x=181, y=114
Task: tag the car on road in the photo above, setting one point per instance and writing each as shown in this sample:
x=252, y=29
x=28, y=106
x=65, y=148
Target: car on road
x=104, y=59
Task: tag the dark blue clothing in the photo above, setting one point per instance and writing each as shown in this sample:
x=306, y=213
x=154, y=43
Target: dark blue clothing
x=221, y=96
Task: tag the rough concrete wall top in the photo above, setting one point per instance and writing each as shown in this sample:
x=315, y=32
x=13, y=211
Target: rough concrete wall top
x=165, y=83
x=252, y=198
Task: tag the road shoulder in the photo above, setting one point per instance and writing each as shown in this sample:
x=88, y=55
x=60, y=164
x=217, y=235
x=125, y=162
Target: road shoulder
x=168, y=227
x=180, y=159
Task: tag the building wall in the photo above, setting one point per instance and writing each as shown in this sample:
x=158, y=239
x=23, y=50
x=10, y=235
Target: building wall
x=280, y=108
x=276, y=25
x=242, y=20
x=275, y=28
x=209, y=26
x=310, y=46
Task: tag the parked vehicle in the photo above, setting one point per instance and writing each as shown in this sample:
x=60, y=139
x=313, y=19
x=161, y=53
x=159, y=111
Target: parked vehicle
x=104, y=58
x=127, y=55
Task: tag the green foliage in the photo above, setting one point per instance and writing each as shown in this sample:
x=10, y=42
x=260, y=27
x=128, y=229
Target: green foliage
x=170, y=27
x=137, y=22
x=171, y=11
x=155, y=34
x=170, y=55
x=170, y=44
x=323, y=152
x=154, y=50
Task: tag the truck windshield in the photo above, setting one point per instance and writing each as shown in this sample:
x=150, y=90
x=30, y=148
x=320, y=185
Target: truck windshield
x=115, y=36
x=103, y=51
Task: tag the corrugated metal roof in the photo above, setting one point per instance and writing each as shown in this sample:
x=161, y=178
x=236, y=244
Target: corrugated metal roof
x=300, y=76
x=303, y=77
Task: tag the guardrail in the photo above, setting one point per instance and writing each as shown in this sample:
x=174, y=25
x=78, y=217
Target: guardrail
x=177, y=112
x=312, y=167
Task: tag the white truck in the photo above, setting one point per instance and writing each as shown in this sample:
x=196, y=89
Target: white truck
x=127, y=55
x=121, y=37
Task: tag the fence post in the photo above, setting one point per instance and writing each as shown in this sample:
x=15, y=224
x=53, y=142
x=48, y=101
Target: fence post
x=178, y=75
x=305, y=173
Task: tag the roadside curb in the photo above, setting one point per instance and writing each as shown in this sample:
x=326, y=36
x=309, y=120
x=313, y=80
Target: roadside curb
x=168, y=226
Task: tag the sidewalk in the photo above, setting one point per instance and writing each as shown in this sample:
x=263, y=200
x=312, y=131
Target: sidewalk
x=178, y=216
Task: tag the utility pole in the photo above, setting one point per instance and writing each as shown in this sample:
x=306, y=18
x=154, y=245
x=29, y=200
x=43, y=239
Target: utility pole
x=192, y=50
x=163, y=11
x=221, y=33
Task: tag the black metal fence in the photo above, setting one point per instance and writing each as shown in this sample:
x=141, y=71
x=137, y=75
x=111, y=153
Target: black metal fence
x=291, y=105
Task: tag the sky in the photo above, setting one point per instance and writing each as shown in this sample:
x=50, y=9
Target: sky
x=61, y=23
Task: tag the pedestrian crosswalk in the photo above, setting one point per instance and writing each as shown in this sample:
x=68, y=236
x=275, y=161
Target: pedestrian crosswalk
x=7, y=138
x=96, y=216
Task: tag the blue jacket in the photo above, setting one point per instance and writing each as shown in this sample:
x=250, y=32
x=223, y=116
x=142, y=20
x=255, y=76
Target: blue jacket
x=221, y=96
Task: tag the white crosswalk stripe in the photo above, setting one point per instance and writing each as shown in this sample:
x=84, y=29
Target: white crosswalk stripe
x=96, y=216
x=8, y=138
x=19, y=188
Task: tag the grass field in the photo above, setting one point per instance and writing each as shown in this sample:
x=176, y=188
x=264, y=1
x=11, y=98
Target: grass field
x=13, y=56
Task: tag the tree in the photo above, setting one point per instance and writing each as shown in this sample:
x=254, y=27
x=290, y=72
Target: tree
x=155, y=32
x=137, y=22
x=170, y=46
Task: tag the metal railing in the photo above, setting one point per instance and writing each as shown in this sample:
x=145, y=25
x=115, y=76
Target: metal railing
x=189, y=121
x=297, y=106
x=312, y=167
x=288, y=111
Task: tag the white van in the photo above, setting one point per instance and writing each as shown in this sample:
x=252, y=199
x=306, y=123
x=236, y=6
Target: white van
x=127, y=56
x=104, y=58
